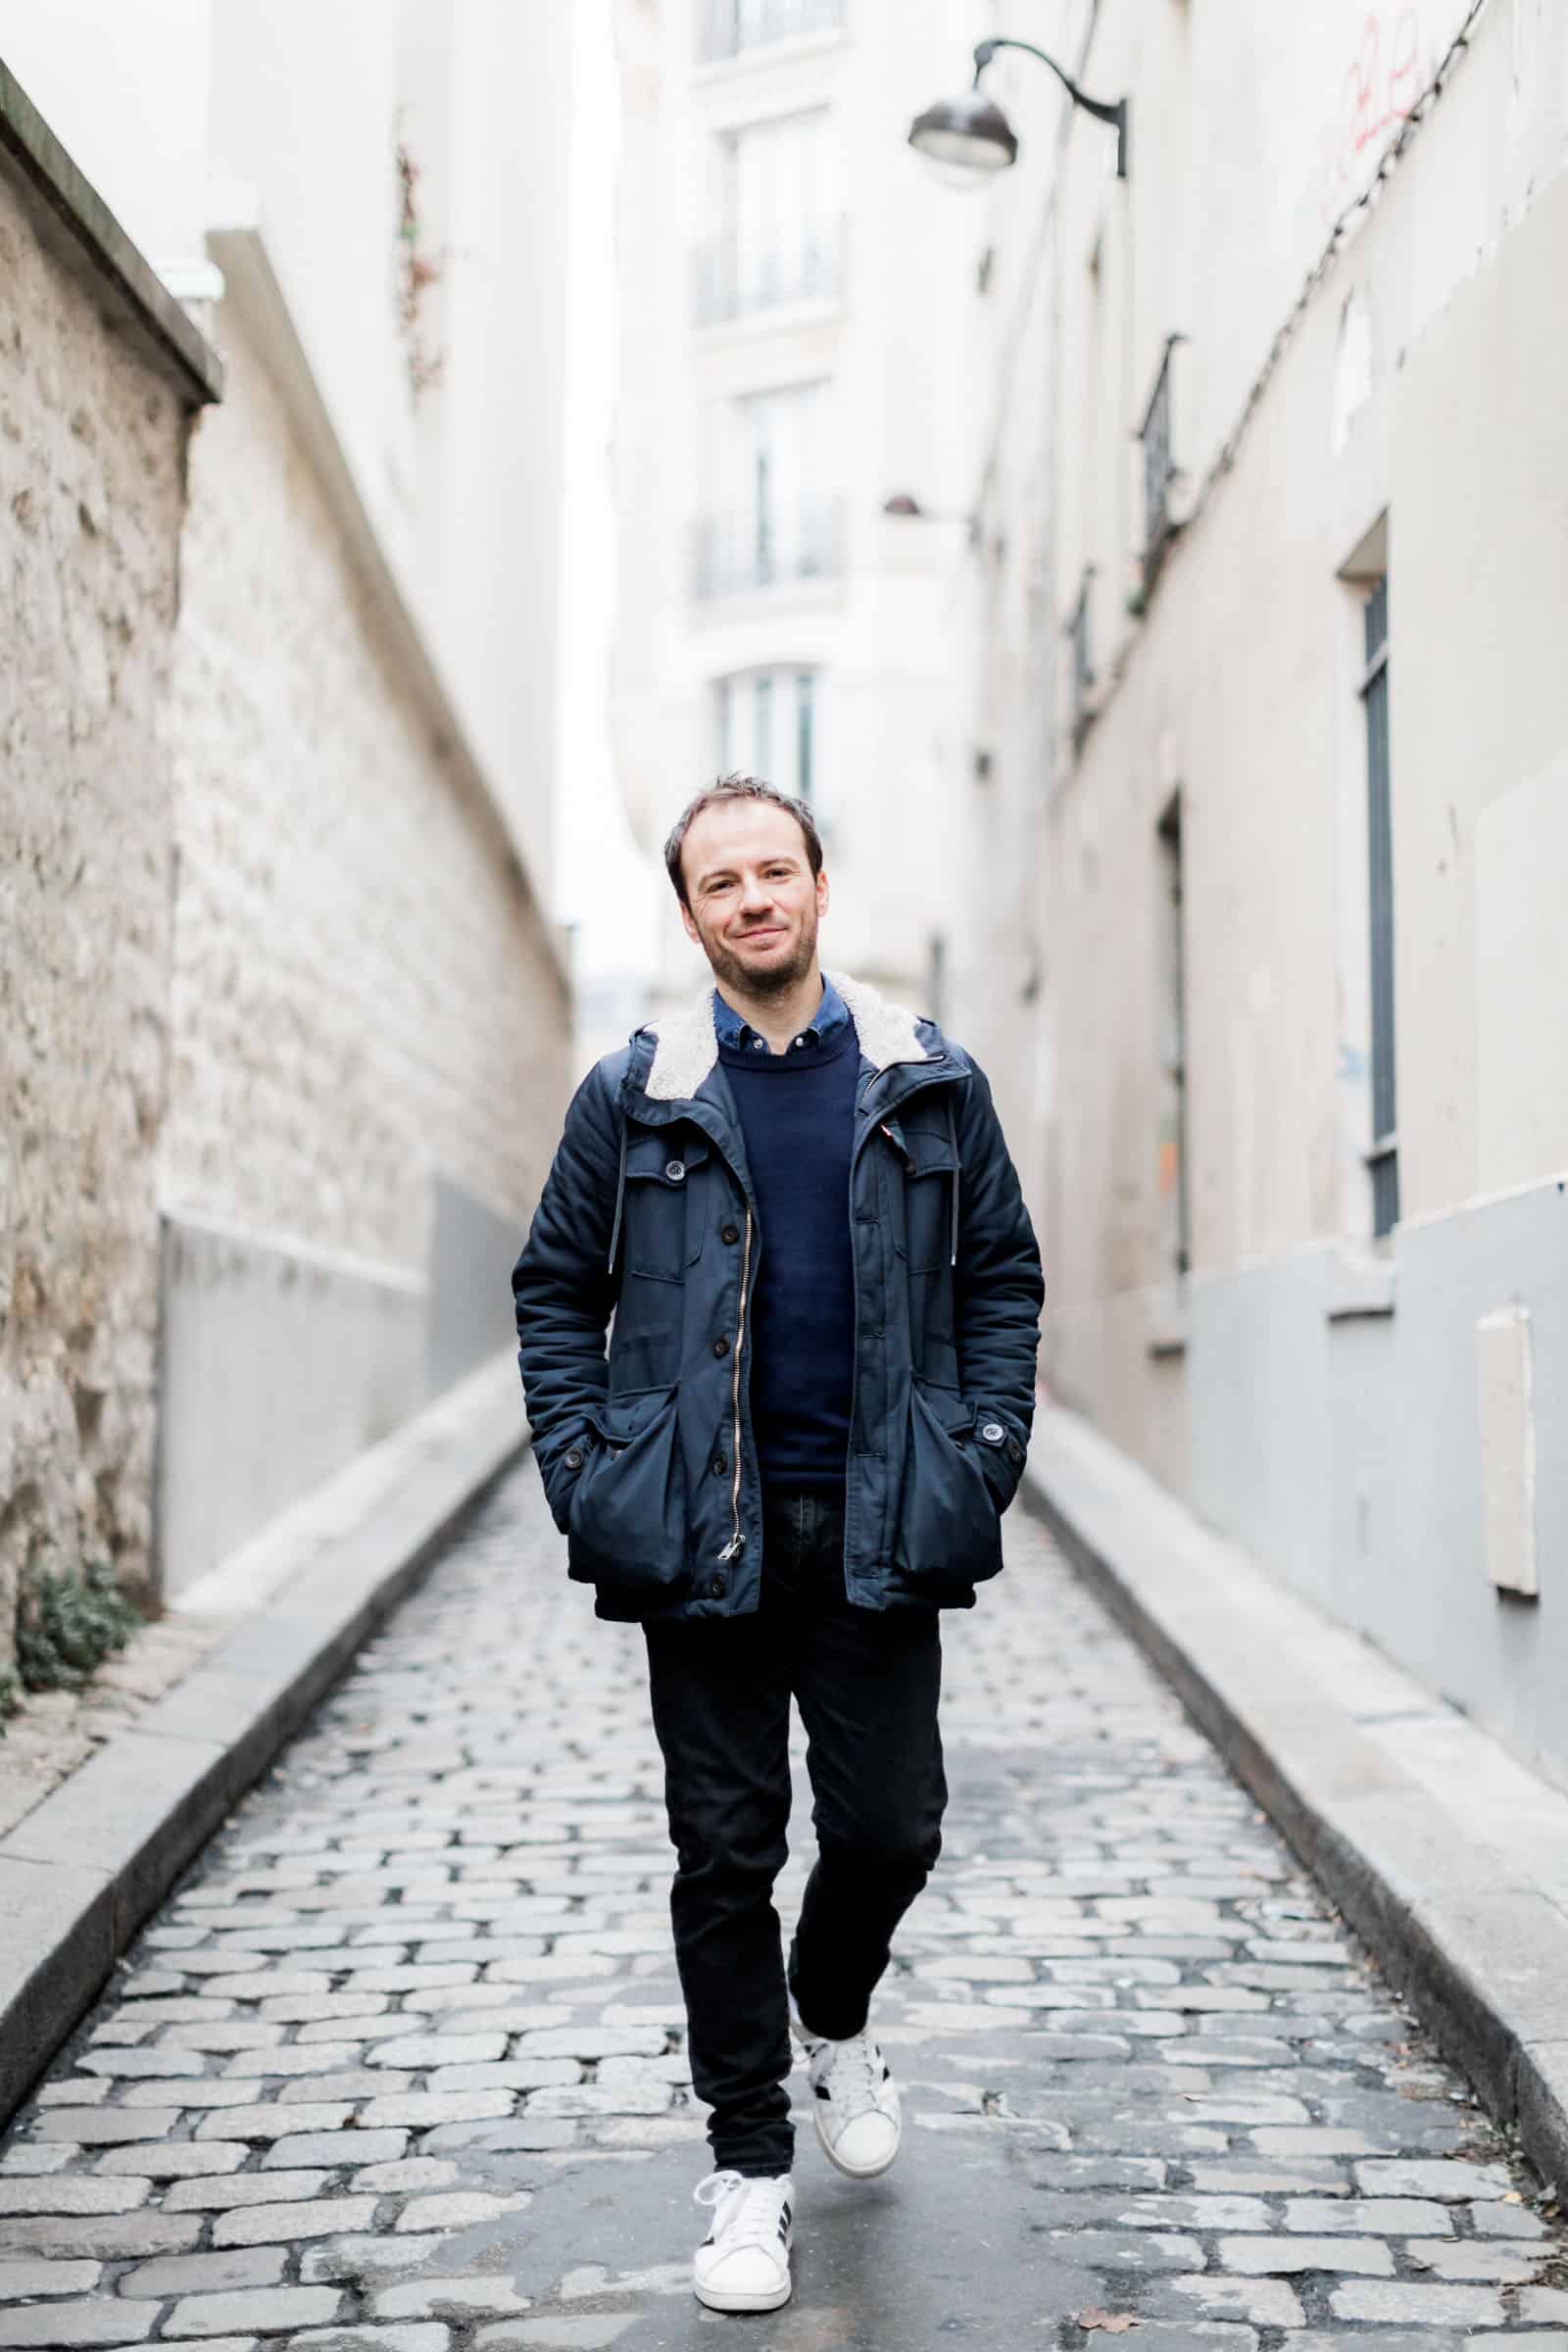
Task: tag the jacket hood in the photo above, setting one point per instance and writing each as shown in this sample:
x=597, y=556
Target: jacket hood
x=686, y=1046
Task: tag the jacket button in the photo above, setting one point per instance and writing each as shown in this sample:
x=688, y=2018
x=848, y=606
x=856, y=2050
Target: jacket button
x=715, y=1591
x=729, y=1233
x=573, y=1459
x=720, y=1464
x=674, y=1169
x=1014, y=1450
x=992, y=1432
x=721, y=1346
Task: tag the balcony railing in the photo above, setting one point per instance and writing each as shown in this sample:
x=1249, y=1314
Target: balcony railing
x=728, y=285
x=730, y=26
x=738, y=552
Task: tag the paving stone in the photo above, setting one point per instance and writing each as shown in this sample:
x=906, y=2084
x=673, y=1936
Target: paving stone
x=263, y=2223
x=1258, y=2257
x=428, y=2339
x=95, y=2128
x=576, y=2332
x=277, y=2311
x=370, y=2258
x=272, y=2123
x=1543, y=2303
x=18, y=2279
x=205, y=2273
x=1265, y=2302
x=413, y=2172
x=106, y=2237
x=50, y=2194
x=333, y=2148
x=103, y=2322
x=1448, y=2177
x=1464, y=2259
x=1402, y=2301
x=168, y=2159
x=1387, y=2217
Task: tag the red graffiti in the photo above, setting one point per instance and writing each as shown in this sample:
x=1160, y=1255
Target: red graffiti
x=1380, y=92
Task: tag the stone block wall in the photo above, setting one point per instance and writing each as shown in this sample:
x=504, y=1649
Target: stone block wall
x=92, y=497
x=367, y=1010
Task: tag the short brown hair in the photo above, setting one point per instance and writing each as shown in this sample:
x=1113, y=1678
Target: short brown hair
x=736, y=787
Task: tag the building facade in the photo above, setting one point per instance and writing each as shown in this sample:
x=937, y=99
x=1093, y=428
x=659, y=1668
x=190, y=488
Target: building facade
x=346, y=1079
x=787, y=364
x=1268, y=620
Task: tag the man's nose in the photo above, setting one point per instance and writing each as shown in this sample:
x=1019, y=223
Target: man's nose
x=756, y=892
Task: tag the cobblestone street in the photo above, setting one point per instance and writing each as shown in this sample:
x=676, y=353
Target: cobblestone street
x=400, y=2065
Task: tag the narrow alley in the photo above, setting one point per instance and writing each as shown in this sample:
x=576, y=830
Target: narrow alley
x=400, y=2064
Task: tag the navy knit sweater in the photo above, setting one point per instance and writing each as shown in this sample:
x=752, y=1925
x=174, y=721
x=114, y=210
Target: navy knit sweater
x=796, y=1112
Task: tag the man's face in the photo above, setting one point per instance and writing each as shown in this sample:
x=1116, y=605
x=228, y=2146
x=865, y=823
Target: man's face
x=753, y=902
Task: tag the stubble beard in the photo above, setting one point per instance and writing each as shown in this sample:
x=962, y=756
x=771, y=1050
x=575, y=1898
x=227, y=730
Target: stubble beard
x=774, y=981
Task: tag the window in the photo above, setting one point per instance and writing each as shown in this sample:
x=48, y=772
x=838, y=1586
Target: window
x=774, y=522
x=768, y=727
x=1160, y=471
x=1083, y=668
x=1382, y=1157
x=1173, y=1172
x=731, y=26
x=775, y=197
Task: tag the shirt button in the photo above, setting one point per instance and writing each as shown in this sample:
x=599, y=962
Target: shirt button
x=720, y=1464
x=715, y=1591
x=758, y=1045
x=675, y=1170
x=573, y=1459
x=729, y=1233
x=721, y=1346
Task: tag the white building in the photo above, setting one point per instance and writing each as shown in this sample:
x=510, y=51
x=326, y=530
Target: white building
x=790, y=286
x=1273, y=609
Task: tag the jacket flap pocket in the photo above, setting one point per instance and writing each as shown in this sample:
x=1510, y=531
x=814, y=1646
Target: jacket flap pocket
x=665, y=1156
x=618, y=1420
x=930, y=1150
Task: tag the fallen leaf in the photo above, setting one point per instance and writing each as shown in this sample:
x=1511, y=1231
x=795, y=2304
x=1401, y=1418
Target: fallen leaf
x=1109, y=2322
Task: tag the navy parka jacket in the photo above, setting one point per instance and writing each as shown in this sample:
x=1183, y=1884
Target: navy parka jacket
x=647, y=1226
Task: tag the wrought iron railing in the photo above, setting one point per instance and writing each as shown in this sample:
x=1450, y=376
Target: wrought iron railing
x=730, y=26
x=737, y=552
x=727, y=284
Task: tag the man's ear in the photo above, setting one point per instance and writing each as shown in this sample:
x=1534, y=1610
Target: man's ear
x=692, y=931
x=821, y=892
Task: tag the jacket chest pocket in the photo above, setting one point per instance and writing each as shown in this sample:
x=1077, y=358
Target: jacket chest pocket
x=930, y=1180
x=665, y=1204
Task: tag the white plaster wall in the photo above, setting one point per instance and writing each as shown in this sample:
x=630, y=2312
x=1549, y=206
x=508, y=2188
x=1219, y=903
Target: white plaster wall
x=1345, y=1446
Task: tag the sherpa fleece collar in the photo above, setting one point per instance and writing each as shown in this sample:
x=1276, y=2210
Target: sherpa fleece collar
x=686, y=1049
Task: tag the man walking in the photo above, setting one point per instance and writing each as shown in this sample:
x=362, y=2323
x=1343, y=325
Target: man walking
x=796, y=1204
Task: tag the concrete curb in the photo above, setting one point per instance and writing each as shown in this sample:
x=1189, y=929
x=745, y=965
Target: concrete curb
x=1446, y=1854
x=84, y=1869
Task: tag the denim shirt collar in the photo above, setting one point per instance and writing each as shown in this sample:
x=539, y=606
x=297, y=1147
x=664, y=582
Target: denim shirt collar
x=827, y=1020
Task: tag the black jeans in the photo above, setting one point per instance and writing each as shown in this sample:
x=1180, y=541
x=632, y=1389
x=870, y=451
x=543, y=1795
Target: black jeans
x=867, y=1684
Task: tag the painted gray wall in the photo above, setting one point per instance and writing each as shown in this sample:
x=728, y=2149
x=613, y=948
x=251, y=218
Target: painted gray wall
x=1347, y=1452
x=277, y=1366
x=472, y=1250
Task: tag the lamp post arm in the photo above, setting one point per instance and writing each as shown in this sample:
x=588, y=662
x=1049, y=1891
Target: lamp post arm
x=1116, y=113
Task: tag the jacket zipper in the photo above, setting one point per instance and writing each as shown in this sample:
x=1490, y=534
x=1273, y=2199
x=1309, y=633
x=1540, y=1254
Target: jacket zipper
x=737, y=1540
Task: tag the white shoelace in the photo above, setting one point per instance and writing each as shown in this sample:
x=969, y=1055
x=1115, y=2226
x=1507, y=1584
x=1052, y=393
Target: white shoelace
x=854, y=2075
x=745, y=2211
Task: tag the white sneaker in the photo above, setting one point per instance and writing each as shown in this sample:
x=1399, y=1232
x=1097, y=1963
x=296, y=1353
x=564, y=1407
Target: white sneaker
x=855, y=2100
x=743, y=2264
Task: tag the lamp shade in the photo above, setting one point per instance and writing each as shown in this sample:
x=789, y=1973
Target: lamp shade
x=966, y=139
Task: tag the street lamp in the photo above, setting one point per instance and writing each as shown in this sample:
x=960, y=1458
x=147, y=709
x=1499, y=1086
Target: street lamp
x=967, y=139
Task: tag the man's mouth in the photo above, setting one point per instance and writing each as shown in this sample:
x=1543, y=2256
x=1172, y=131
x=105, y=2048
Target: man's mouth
x=772, y=931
